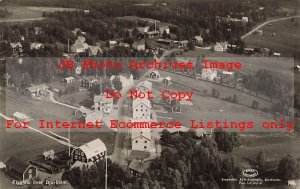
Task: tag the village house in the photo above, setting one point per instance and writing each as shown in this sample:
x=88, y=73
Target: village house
x=49, y=155
x=276, y=54
x=136, y=167
x=182, y=43
x=89, y=82
x=139, y=45
x=21, y=117
x=125, y=45
x=69, y=80
x=154, y=74
x=36, y=90
x=165, y=41
x=141, y=108
x=93, y=151
x=167, y=81
x=141, y=139
x=143, y=29
x=163, y=29
x=248, y=50
x=20, y=170
x=36, y=46
x=125, y=82
x=94, y=50
x=245, y=19
x=16, y=47
x=112, y=44
x=144, y=86
x=152, y=34
x=258, y=32
x=103, y=104
x=79, y=46
x=37, y=30
x=197, y=40
x=209, y=74
x=93, y=117
x=220, y=47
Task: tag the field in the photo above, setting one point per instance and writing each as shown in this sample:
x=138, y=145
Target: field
x=286, y=40
x=29, y=144
x=20, y=13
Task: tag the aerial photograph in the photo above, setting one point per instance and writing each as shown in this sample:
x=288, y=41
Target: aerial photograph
x=149, y=94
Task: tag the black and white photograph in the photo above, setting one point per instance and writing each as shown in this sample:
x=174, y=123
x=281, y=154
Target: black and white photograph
x=149, y=94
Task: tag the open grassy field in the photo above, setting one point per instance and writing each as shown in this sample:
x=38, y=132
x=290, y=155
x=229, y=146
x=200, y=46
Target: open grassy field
x=207, y=108
x=29, y=144
x=20, y=13
x=286, y=41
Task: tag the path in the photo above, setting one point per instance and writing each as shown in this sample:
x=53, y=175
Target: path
x=268, y=22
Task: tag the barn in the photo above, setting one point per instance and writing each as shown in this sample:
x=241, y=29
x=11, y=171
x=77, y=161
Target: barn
x=19, y=169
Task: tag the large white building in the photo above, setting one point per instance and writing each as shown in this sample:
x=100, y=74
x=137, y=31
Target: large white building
x=141, y=108
x=141, y=139
x=93, y=152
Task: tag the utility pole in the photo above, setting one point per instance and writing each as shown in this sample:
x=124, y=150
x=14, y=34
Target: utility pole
x=68, y=45
x=106, y=170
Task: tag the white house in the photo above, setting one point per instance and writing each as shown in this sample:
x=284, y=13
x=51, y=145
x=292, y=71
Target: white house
x=93, y=117
x=93, y=151
x=141, y=139
x=79, y=46
x=163, y=29
x=167, y=81
x=220, y=47
x=197, y=39
x=36, y=46
x=209, y=74
x=139, y=45
x=69, y=80
x=245, y=19
x=102, y=103
x=16, y=47
x=89, y=82
x=141, y=108
x=112, y=44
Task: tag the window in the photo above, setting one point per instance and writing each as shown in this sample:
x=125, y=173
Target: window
x=75, y=157
x=136, y=141
x=146, y=110
x=141, y=110
x=145, y=147
x=30, y=171
x=82, y=154
x=143, y=114
x=145, y=141
x=136, y=109
x=142, y=106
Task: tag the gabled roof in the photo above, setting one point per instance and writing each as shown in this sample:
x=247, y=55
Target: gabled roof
x=168, y=78
x=17, y=164
x=20, y=115
x=137, y=132
x=146, y=84
x=17, y=44
x=139, y=101
x=137, y=165
x=93, y=148
x=198, y=38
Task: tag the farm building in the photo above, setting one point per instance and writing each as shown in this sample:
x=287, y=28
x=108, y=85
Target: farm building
x=276, y=54
x=93, y=151
x=112, y=44
x=163, y=29
x=21, y=117
x=16, y=47
x=79, y=46
x=126, y=45
x=258, y=32
x=175, y=106
x=136, y=167
x=102, y=103
x=220, y=47
x=2, y=165
x=35, y=90
x=49, y=154
x=197, y=39
x=167, y=81
x=69, y=80
x=209, y=74
x=139, y=45
x=94, y=50
x=141, y=108
x=177, y=130
x=141, y=139
x=36, y=46
x=19, y=169
x=154, y=74
x=152, y=34
x=89, y=82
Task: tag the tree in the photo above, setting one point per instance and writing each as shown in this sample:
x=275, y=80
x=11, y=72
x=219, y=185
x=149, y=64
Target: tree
x=255, y=104
x=261, y=160
x=287, y=168
x=191, y=45
x=117, y=83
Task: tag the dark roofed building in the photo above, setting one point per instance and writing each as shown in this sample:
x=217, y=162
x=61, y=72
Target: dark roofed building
x=136, y=167
x=19, y=169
